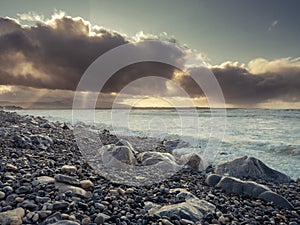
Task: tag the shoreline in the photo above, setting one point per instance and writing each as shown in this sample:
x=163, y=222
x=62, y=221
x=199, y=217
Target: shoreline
x=32, y=147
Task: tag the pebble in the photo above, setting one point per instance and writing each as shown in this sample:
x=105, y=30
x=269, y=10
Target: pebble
x=68, y=169
x=85, y=184
x=60, y=205
x=11, y=167
x=2, y=195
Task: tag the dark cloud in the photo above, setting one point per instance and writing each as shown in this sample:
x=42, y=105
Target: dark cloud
x=53, y=55
x=259, y=82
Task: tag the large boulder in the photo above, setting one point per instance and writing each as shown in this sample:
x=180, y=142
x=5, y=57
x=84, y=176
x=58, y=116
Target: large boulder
x=252, y=168
x=194, y=161
x=151, y=158
x=116, y=155
x=248, y=188
x=192, y=209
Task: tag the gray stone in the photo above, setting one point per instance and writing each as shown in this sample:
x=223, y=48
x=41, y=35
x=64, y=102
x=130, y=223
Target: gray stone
x=277, y=199
x=2, y=195
x=117, y=155
x=68, y=169
x=194, y=161
x=12, y=217
x=66, y=179
x=192, y=209
x=249, y=188
x=66, y=222
x=151, y=158
x=250, y=167
x=23, y=190
x=60, y=205
x=101, y=218
x=213, y=179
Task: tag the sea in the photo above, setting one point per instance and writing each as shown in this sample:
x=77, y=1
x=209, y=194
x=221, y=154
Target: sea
x=273, y=136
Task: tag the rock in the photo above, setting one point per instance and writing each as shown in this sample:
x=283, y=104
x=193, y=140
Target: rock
x=151, y=158
x=68, y=169
x=116, y=155
x=12, y=217
x=166, y=222
x=252, y=168
x=23, y=190
x=194, y=161
x=65, y=222
x=213, y=179
x=101, y=217
x=45, y=180
x=186, y=222
x=60, y=205
x=192, y=209
x=85, y=184
x=249, y=188
x=41, y=141
x=123, y=142
x=77, y=191
x=2, y=195
x=66, y=179
x=121, y=191
x=86, y=221
x=11, y=167
x=277, y=199
x=44, y=214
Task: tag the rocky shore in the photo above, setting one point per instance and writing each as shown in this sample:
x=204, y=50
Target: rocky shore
x=46, y=180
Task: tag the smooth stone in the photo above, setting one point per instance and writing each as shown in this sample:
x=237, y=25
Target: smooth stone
x=66, y=222
x=151, y=158
x=186, y=222
x=123, y=142
x=277, y=199
x=101, y=218
x=23, y=190
x=85, y=184
x=252, y=168
x=116, y=156
x=12, y=217
x=66, y=179
x=68, y=169
x=44, y=214
x=193, y=209
x=166, y=222
x=60, y=205
x=194, y=161
x=2, y=195
x=11, y=167
x=213, y=179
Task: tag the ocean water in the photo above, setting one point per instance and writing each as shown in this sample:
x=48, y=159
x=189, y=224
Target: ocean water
x=273, y=136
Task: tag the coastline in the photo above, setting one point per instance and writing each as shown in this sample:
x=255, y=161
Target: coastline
x=32, y=147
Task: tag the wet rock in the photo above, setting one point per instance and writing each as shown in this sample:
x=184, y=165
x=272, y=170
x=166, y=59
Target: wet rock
x=23, y=190
x=2, y=195
x=250, y=167
x=13, y=217
x=66, y=222
x=101, y=218
x=213, y=179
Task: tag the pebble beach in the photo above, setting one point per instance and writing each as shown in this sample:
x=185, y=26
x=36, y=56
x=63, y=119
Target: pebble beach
x=46, y=180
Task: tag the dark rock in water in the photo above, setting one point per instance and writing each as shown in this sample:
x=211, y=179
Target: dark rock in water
x=248, y=188
x=192, y=209
x=252, y=168
x=13, y=217
x=277, y=199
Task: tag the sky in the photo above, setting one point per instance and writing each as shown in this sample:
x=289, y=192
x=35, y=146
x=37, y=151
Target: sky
x=251, y=47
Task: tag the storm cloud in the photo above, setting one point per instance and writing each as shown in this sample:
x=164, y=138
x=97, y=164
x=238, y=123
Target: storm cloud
x=53, y=55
